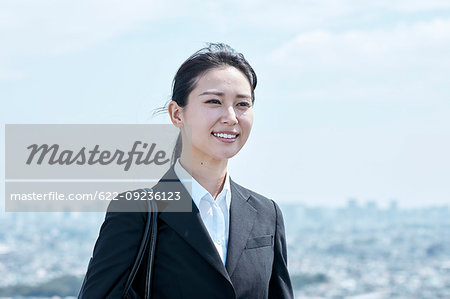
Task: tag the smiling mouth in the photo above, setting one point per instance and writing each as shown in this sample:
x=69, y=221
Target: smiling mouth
x=226, y=136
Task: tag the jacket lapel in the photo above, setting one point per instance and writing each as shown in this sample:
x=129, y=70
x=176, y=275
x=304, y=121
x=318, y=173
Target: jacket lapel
x=189, y=225
x=242, y=217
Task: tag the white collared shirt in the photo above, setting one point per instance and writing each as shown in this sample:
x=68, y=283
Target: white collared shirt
x=214, y=213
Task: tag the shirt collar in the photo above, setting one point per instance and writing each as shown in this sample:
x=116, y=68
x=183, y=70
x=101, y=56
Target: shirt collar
x=196, y=190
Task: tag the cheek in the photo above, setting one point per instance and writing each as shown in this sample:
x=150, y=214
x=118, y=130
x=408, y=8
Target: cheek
x=200, y=129
x=201, y=124
x=247, y=122
x=197, y=121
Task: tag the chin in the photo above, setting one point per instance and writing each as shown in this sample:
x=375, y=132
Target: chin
x=226, y=156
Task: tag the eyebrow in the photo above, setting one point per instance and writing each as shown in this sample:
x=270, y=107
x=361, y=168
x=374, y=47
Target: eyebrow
x=220, y=94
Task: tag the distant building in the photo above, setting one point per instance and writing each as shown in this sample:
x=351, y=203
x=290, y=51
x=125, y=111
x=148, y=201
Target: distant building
x=371, y=205
x=393, y=205
x=352, y=204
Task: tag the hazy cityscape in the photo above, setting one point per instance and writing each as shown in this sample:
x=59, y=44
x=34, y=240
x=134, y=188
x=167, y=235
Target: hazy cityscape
x=358, y=251
x=365, y=252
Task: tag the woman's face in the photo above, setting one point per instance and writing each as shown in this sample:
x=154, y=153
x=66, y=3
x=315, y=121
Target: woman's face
x=218, y=116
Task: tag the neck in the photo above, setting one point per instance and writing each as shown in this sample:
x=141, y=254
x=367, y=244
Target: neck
x=209, y=173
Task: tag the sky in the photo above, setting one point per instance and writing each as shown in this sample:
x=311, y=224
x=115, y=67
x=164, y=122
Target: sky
x=353, y=97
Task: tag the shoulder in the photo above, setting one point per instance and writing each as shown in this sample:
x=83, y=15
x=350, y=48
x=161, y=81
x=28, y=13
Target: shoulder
x=129, y=201
x=260, y=202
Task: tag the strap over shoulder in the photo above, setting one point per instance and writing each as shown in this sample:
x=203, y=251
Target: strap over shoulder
x=149, y=237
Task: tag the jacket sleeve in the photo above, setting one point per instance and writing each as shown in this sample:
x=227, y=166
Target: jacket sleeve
x=280, y=283
x=114, y=254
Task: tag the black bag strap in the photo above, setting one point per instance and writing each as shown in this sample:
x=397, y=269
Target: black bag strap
x=152, y=247
x=150, y=231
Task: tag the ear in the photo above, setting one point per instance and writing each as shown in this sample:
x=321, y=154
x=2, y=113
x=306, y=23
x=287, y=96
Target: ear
x=175, y=113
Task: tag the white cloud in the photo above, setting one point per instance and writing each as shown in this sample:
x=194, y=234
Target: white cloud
x=290, y=16
x=420, y=43
x=414, y=5
x=54, y=27
x=406, y=61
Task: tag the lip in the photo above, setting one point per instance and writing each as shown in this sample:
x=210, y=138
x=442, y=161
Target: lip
x=225, y=140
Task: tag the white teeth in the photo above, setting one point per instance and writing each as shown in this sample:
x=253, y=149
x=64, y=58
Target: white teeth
x=223, y=135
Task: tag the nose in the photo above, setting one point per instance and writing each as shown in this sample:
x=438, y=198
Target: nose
x=229, y=116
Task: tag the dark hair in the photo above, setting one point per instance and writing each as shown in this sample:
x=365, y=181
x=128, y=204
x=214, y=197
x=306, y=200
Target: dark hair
x=213, y=56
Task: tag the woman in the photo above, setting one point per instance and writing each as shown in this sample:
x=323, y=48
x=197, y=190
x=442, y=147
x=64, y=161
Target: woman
x=232, y=244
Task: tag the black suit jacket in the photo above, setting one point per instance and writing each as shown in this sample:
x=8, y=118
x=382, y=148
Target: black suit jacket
x=187, y=265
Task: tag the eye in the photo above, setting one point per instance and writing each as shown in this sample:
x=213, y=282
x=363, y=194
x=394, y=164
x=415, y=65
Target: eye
x=244, y=104
x=213, y=101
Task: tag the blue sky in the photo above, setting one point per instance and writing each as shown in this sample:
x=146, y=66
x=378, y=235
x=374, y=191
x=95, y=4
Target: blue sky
x=353, y=98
